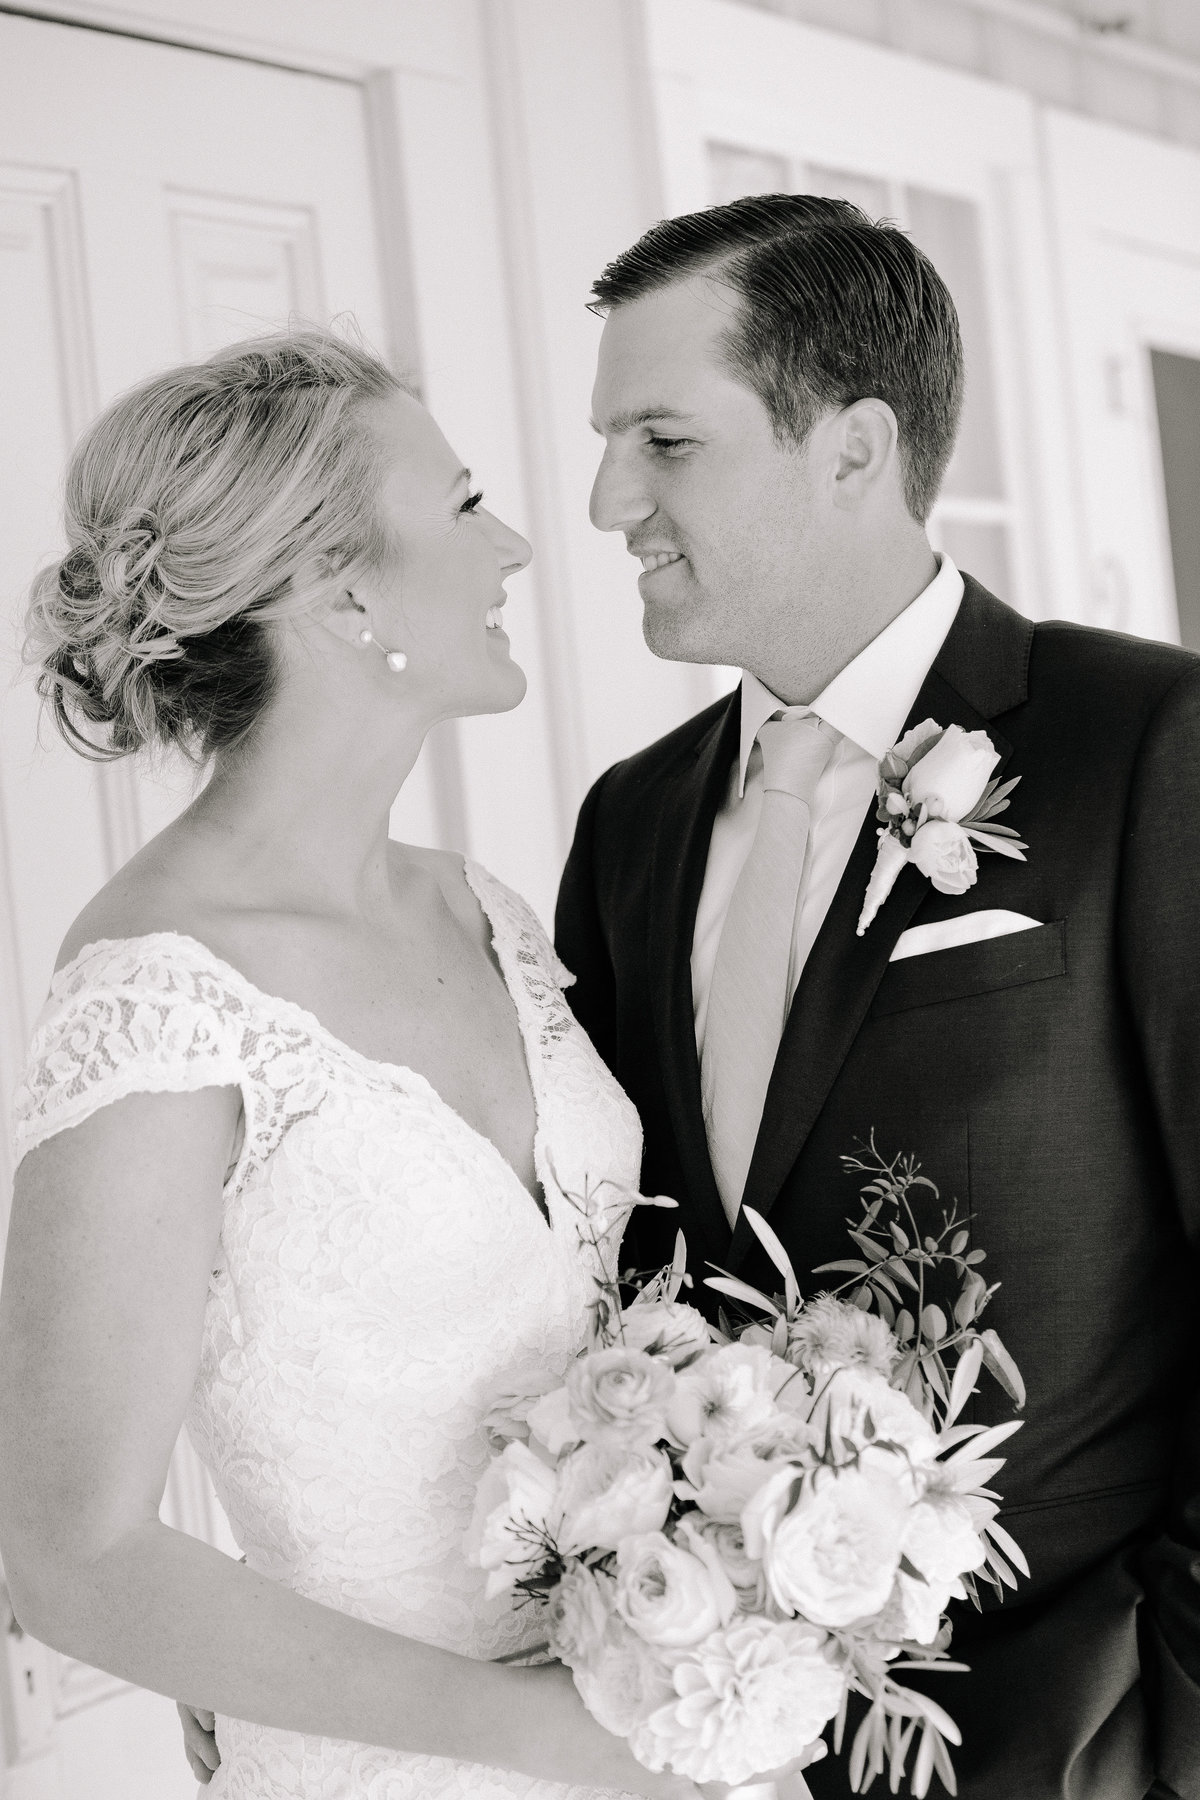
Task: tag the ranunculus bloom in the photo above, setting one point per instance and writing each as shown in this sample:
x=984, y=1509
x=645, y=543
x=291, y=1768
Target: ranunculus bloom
x=670, y=1595
x=831, y=1551
x=945, y=853
x=950, y=778
x=604, y=1494
x=747, y=1699
x=666, y=1328
x=578, y=1612
x=726, y=1394
x=620, y=1396
x=515, y=1511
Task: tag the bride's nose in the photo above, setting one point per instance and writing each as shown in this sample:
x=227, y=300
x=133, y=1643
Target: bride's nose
x=514, y=551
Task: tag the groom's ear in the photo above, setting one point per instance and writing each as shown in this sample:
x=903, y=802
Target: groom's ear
x=866, y=448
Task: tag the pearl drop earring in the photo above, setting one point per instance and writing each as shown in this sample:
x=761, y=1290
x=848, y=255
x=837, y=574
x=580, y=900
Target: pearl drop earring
x=396, y=660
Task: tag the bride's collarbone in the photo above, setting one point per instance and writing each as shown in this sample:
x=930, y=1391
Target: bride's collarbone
x=437, y=1007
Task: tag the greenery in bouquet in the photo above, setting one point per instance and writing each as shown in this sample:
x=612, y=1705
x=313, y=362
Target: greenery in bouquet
x=730, y=1532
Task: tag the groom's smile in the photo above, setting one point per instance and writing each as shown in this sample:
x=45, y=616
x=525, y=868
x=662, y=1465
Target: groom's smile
x=717, y=510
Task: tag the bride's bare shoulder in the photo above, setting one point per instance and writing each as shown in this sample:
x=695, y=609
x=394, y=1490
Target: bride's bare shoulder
x=154, y=891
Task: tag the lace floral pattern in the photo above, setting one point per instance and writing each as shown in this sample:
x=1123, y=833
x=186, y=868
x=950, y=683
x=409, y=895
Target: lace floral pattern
x=384, y=1275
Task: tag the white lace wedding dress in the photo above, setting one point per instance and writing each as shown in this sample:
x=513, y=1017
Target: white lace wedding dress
x=383, y=1276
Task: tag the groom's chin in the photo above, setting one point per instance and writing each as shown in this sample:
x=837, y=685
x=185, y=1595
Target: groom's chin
x=672, y=635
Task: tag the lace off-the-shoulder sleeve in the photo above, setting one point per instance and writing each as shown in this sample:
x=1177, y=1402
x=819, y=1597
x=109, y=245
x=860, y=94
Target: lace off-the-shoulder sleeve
x=137, y=1015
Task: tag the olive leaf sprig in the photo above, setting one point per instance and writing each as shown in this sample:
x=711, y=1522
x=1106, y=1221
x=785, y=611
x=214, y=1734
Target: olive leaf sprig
x=893, y=1274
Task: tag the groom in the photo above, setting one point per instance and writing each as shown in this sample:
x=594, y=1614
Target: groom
x=778, y=391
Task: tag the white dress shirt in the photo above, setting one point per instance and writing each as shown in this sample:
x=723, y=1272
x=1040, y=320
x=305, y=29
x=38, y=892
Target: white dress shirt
x=866, y=705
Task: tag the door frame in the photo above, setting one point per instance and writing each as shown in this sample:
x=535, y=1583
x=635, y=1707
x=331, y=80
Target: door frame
x=1120, y=202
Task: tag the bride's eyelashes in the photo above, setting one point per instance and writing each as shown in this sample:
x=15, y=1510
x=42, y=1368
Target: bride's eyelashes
x=471, y=502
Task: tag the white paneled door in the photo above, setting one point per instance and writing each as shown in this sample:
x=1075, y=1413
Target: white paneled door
x=155, y=202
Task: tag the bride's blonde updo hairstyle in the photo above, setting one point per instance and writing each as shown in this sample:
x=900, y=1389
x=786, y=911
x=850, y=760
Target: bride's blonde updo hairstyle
x=199, y=506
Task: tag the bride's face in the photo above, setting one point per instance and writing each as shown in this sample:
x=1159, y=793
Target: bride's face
x=440, y=596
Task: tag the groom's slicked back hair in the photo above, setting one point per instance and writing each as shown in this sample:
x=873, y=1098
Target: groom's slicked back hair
x=834, y=308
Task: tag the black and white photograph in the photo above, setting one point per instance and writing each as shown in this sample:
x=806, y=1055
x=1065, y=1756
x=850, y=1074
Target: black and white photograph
x=599, y=899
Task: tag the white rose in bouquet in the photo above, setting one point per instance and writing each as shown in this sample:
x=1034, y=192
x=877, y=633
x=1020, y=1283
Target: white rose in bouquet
x=722, y=1476
x=851, y=1394
x=605, y=1494
x=743, y=1570
x=669, y=1595
x=942, y=1543
x=951, y=776
x=515, y=1513
x=620, y=1396
x=752, y=1696
x=668, y=1329
x=830, y=1544
x=727, y=1394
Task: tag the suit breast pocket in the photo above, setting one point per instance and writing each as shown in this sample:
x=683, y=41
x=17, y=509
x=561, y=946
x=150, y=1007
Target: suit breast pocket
x=1020, y=957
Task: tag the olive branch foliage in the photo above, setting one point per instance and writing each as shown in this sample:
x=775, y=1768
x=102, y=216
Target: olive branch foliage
x=896, y=1254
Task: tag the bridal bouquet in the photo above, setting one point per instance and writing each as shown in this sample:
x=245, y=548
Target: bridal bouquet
x=730, y=1532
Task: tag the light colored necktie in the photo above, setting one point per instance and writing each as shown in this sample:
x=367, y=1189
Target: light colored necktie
x=748, y=999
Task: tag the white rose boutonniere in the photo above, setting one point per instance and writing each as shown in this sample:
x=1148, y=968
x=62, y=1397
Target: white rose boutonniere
x=936, y=795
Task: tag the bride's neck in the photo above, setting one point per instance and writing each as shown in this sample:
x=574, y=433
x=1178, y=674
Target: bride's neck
x=299, y=814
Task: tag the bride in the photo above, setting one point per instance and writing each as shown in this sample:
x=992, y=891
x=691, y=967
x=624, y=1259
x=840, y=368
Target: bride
x=304, y=1110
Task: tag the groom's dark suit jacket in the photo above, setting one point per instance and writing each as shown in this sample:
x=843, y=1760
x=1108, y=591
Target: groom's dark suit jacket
x=1051, y=1081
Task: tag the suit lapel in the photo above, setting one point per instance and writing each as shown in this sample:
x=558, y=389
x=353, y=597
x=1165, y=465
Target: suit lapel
x=987, y=652
x=688, y=806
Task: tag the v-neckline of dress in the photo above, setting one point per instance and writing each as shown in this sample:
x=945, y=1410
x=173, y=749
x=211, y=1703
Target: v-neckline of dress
x=508, y=974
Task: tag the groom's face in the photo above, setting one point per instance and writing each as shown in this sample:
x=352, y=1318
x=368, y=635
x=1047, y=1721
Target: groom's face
x=725, y=520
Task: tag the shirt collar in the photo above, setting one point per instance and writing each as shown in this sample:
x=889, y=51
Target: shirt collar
x=873, y=695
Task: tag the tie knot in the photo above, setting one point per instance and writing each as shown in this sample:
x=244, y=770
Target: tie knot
x=794, y=752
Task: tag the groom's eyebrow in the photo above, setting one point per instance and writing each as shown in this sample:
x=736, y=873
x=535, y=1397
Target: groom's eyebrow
x=625, y=421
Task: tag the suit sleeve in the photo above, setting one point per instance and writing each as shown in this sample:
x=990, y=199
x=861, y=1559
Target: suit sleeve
x=1159, y=943
x=579, y=935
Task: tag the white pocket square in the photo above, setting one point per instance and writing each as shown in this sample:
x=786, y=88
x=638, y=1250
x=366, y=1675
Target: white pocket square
x=969, y=928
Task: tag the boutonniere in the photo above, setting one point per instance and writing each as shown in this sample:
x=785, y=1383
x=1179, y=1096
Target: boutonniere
x=936, y=794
